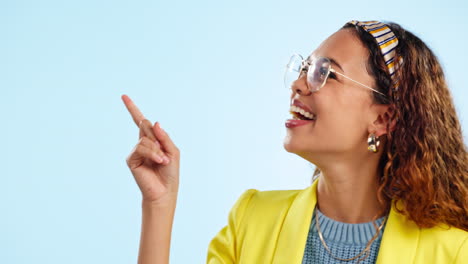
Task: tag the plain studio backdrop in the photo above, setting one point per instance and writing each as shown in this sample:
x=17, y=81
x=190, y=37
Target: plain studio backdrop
x=210, y=71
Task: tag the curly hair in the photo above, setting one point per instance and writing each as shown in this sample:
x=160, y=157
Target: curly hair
x=424, y=164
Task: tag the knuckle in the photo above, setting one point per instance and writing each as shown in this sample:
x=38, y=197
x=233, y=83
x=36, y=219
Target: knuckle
x=145, y=122
x=128, y=159
x=176, y=154
x=146, y=141
x=143, y=140
x=142, y=124
x=139, y=148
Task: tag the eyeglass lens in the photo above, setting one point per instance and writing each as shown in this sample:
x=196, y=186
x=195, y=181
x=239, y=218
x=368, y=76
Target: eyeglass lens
x=317, y=72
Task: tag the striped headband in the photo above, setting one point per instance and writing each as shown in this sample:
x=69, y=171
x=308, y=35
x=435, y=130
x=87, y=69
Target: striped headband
x=387, y=42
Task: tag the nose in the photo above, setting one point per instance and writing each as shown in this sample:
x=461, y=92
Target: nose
x=301, y=87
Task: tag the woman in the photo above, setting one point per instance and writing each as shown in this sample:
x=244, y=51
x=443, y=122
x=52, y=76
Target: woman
x=371, y=109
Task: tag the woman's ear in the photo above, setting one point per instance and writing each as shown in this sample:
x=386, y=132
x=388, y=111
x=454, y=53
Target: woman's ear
x=381, y=117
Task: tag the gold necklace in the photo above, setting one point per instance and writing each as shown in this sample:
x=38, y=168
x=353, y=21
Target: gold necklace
x=366, y=249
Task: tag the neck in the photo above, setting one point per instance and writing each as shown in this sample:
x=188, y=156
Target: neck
x=347, y=192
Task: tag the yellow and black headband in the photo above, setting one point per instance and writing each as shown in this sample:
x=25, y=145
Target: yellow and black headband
x=387, y=42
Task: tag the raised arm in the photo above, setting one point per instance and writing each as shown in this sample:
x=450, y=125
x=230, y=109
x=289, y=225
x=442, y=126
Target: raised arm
x=154, y=163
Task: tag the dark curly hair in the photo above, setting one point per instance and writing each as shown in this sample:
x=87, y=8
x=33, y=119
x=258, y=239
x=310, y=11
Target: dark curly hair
x=424, y=165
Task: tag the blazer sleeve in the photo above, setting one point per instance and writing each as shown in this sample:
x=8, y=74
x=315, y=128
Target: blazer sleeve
x=223, y=248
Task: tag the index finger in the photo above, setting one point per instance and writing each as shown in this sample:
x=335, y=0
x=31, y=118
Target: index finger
x=133, y=109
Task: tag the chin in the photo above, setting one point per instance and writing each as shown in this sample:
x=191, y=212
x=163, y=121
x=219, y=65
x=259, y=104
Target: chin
x=292, y=146
x=297, y=147
x=287, y=143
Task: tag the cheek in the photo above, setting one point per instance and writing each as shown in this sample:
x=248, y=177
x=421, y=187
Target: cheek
x=345, y=122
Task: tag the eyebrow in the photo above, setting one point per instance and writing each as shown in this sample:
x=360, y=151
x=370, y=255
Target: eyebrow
x=336, y=63
x=333, y=61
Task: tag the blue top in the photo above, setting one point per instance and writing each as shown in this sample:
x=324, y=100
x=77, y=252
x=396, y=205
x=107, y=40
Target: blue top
x=344, y=240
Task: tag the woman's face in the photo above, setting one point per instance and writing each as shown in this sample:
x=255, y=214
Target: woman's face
x=343, y=108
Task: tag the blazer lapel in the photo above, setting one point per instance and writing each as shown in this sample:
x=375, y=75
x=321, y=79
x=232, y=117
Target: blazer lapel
x=293, y=235
x=399, y=241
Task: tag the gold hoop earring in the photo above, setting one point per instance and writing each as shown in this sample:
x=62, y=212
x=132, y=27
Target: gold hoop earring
x=373, y=141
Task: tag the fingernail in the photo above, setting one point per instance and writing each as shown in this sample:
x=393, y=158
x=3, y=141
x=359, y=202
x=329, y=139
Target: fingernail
x=158, y=158
x=166, y=160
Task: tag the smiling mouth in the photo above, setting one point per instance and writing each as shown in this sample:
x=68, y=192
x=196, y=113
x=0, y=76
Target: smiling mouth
x=300, y=114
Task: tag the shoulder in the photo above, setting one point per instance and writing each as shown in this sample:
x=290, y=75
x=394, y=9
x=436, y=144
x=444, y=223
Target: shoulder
x=439, y=244
x=444, y=233
x=254, y=203
x=272, y=196
x=254, y=223
x=444, y=239
x=267, y=199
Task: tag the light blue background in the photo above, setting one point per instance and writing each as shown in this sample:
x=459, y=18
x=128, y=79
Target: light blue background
x=209, y=71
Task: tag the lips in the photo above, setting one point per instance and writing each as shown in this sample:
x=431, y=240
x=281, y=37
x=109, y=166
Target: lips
x=306, y=116
x=290, y=123
x=299, y=104
x=301, y=111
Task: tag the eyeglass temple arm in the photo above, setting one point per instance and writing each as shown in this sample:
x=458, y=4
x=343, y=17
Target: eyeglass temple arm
x=357, y=82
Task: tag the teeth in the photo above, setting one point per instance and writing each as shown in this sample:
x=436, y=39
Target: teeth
x=302, y=112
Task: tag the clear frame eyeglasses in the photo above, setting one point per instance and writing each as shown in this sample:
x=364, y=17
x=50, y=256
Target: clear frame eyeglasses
x=317, y=71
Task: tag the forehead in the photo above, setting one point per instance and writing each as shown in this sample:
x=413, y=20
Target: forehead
x=344, y=47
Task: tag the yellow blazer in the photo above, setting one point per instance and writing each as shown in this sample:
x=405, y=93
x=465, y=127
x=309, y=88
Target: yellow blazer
x=272, y=227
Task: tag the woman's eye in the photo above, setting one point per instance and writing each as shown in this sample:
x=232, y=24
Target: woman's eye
x=323, y=71
x=332, y=75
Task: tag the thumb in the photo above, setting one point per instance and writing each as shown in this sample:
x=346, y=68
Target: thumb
x=165, y=140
